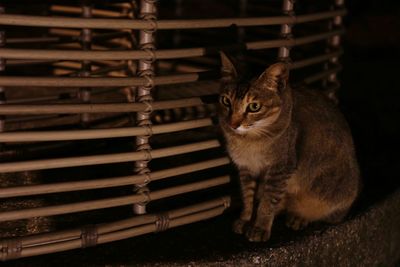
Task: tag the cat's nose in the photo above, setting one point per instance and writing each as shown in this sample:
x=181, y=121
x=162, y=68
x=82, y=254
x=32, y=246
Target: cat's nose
x=234, y=124
x=235, y=121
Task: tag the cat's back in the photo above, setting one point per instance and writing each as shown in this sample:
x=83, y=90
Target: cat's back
x=313, y=110
x=324, y=136
x=326, y=154
x=325, y=144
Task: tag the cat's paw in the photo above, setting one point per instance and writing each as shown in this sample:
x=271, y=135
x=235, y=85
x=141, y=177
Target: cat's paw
x=296, y=222
x=256, y=234
x=239, y=225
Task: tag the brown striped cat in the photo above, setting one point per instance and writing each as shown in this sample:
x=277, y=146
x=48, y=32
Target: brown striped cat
x=293, y=150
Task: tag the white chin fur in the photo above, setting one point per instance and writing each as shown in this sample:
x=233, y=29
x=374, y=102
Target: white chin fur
x=242, y=129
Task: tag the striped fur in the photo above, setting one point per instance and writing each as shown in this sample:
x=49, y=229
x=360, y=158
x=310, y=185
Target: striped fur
x=295, y=154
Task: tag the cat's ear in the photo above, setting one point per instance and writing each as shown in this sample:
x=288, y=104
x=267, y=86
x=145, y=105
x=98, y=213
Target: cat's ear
x=228, y=70
x=275, y=77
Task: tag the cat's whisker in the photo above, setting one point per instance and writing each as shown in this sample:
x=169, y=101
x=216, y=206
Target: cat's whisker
x=263, y=132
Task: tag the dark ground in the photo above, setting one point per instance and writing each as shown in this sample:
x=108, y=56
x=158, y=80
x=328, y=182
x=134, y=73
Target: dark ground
x=370, y=237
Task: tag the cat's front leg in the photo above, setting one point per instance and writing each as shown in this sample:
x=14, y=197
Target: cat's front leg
x=248, y=186
x=271, y=194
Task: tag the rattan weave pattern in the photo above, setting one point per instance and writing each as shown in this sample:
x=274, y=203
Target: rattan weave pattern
x=87, y=77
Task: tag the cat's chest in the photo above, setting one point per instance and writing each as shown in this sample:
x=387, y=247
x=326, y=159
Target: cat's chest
x=252, y=156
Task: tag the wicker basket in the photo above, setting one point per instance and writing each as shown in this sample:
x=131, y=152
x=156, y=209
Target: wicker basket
x=107, y=134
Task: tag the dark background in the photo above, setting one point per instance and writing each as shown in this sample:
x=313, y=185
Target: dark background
x=370, y=90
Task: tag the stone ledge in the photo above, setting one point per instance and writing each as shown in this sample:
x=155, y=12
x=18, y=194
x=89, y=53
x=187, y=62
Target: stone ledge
x=371, y=238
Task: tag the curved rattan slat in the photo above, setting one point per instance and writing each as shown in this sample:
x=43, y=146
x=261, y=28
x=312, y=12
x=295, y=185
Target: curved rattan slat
x=97, y=108
x=109, y=82
x=314, y=60
x=112, y=202
x=98, y=23
x=322, y=75
x=122, y=107
x=59, y=236
x=24, y=123
x=94, y=82
x=77, y=10
x=45, y=164
x=109, y=182
x=158, y=54
x=69, y=239
x=45, y=136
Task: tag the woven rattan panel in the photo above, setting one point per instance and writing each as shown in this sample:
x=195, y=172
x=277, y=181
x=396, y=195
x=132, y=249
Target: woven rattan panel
x=108, y=119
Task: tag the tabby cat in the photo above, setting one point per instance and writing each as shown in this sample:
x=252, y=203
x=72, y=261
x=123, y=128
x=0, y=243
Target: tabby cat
x=293, y=150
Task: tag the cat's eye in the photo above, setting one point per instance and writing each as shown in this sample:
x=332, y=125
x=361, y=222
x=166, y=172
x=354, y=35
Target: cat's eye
x=254, y=107
x=225, y=101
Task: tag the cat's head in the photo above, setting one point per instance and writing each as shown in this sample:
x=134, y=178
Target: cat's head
x=249, y=107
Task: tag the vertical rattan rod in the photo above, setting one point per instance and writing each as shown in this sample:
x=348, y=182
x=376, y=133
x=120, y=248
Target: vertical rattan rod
x=144, y=94
x=286, y=31
x=2, y=68
x=333, y=45
x=86, y=40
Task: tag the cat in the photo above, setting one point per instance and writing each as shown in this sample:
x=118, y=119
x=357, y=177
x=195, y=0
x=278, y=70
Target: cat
x=293, y=150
